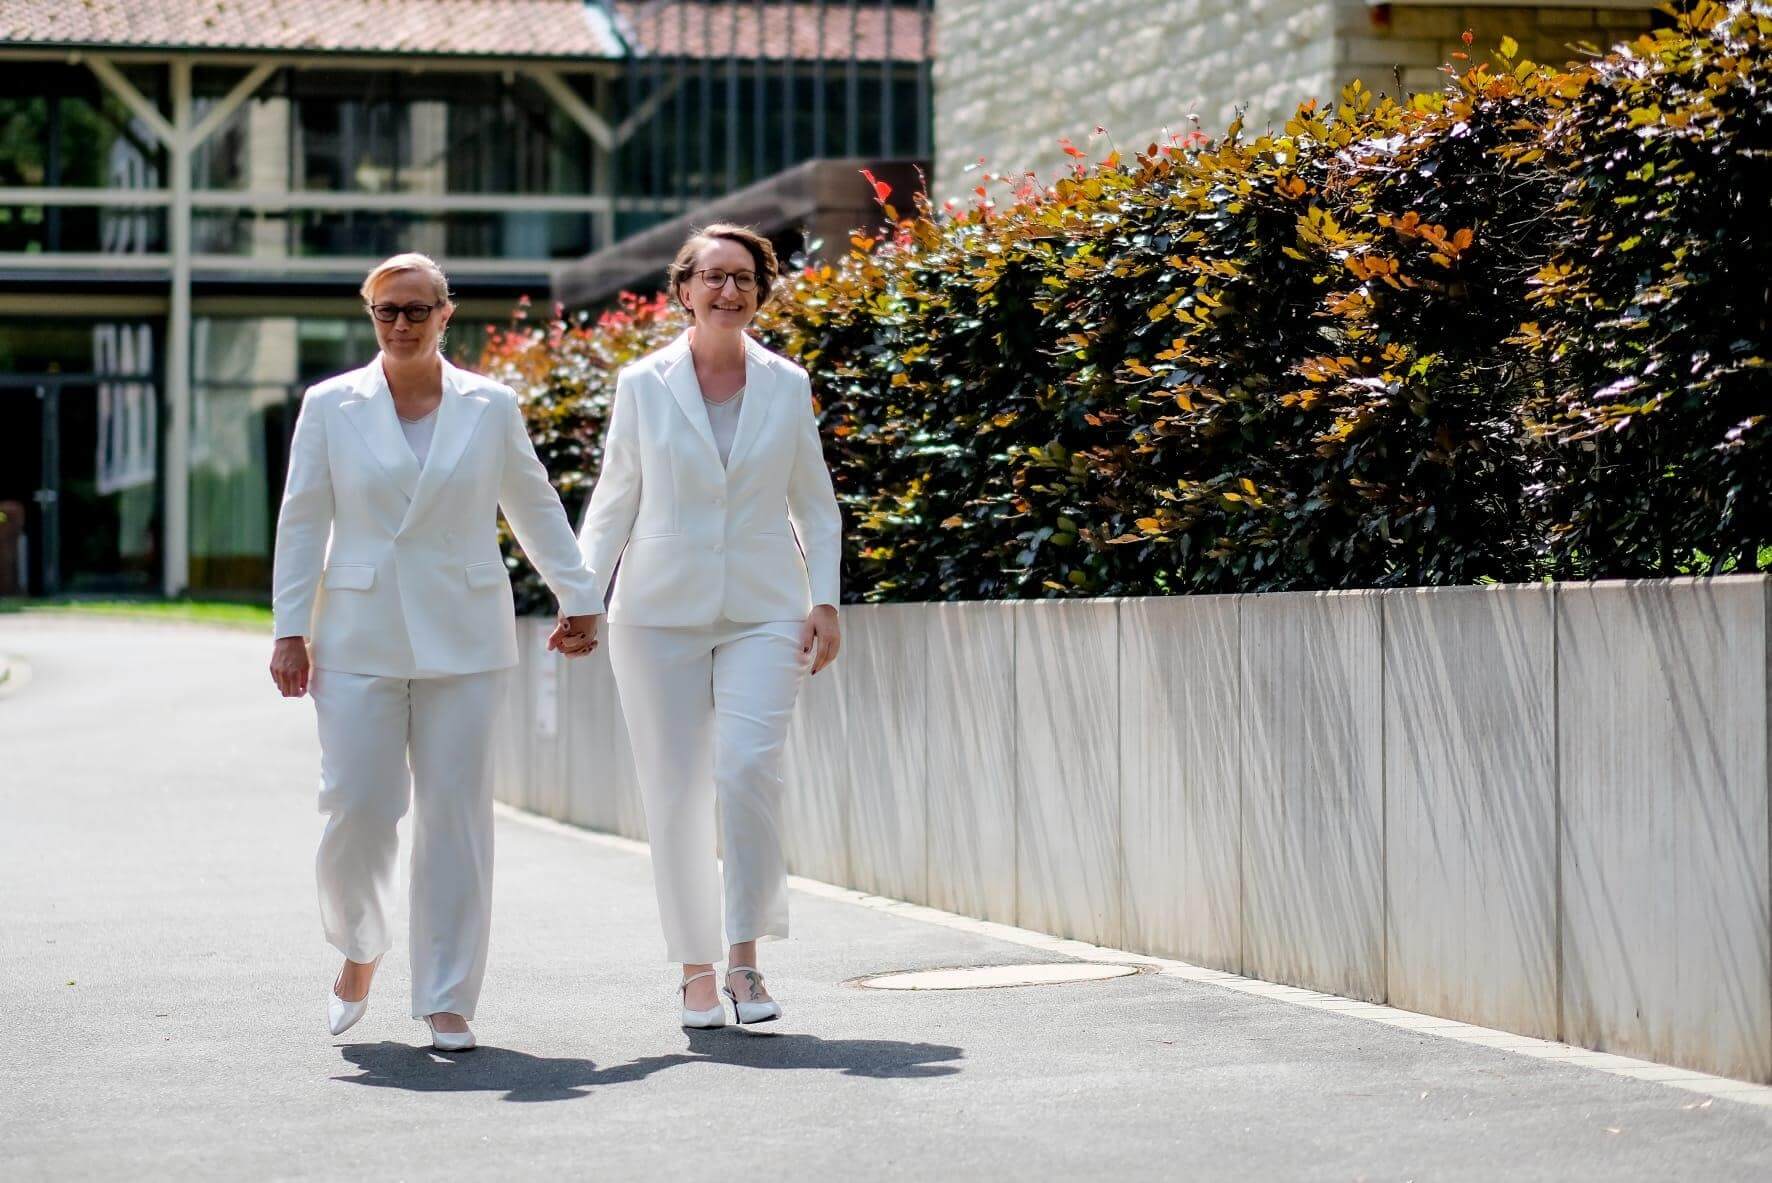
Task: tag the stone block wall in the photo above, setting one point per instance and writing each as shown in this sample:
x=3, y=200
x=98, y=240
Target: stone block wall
x=1013, y=76
x=1379, y=44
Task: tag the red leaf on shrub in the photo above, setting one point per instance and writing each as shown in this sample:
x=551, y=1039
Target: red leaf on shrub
x=1070, y=149
x=882, y=190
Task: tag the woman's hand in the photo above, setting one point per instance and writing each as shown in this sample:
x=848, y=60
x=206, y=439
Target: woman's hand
x=289, y=665
x=574, y=636
x=821, y=637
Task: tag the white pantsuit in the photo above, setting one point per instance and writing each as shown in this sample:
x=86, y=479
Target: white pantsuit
x=719, y=565
x=392, y=570
x=369, y=727
x=727, y=689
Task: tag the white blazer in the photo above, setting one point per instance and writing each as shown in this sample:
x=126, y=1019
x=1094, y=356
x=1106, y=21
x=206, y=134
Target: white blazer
x=698, y=540
x=395, y=571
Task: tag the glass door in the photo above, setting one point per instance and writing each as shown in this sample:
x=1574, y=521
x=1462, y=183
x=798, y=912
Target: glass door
x=22, y=448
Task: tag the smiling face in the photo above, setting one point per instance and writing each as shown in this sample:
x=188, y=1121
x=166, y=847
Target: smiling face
x=402, y=340
x=727, y=308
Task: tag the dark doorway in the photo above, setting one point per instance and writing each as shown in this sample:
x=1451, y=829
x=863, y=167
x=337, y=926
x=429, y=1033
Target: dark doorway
x=79, y=454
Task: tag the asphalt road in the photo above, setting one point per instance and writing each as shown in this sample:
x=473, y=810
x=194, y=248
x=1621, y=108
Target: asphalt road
x=162, y=978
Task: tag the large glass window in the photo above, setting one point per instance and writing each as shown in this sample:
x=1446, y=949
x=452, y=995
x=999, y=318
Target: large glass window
x=248, y=375
x=337, y=131
x=60, y=129
x=512, y=235
x=80, y=430
x=718, y=126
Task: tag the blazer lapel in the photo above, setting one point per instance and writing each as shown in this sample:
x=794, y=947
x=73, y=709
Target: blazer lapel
x=457, y=416
x=759, y=399
x=372, y=414
x=679, y=375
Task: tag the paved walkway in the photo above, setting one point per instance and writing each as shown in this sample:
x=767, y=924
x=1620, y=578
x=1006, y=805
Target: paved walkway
x=163, y=977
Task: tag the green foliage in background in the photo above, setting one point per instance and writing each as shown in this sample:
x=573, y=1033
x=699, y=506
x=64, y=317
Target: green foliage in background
x=1512, y=329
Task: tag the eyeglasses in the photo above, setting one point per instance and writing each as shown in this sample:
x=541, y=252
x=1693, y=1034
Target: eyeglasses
x=389, y=313
x=716, y=278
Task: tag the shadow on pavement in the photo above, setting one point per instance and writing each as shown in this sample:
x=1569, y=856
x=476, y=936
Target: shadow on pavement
x=524, y=1077
x=884, y=1058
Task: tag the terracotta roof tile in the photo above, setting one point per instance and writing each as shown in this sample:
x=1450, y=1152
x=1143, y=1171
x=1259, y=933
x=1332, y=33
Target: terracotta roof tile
x=710, y=28
x=478, y=28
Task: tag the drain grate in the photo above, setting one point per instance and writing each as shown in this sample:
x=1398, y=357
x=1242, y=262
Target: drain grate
x=992, y=977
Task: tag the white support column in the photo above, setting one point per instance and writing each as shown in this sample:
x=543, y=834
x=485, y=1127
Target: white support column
x=181, y=138
x=176, y=547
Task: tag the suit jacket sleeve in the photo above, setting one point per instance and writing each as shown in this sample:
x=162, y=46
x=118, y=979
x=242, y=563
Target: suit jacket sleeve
x=615, y=501
x=533, y=509
x=812, y=507
x=304, y=524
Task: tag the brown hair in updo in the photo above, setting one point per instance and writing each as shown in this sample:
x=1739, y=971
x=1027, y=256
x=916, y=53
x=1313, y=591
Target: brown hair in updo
x=762, y=257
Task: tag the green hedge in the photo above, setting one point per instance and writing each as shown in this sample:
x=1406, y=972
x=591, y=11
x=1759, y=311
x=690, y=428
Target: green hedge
x=1509, y=330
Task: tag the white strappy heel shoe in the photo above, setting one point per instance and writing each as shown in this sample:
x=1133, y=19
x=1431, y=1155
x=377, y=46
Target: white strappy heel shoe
x=451, y=1041
x=700, y=1019
x=750, y=1012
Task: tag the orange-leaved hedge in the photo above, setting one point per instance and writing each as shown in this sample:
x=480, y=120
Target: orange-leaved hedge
x=1513, y=329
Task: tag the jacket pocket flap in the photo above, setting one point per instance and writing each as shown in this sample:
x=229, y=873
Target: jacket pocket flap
x=486, y=574
x=355, y=576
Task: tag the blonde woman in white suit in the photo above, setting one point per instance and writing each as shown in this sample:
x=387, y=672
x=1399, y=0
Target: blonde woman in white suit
x=715, y=498
x=392, y=606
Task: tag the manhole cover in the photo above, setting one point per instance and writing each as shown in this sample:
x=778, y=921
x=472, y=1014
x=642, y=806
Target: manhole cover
x=987, y=977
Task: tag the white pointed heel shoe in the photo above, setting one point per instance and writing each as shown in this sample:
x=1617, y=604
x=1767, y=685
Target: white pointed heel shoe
x=451, y=1041
x=341, y=1015
x=750, y=1012
x=700, y=1020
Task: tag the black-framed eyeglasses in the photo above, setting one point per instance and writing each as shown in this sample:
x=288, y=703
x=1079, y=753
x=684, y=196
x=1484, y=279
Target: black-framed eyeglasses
x=415, y=313
x=716, y=279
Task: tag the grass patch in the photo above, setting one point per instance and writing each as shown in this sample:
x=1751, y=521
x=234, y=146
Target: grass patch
x=227, y=613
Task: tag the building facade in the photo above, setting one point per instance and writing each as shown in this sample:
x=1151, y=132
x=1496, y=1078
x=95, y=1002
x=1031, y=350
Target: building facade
x=1014, y=77
x=191, y=191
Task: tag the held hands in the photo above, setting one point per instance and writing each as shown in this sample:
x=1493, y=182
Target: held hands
x=289, y=665
x=820, y=637
x=574, y=636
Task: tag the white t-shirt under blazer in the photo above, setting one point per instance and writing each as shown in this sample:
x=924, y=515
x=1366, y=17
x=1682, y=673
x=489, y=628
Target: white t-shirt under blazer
x=699, y=540
x=392, y=567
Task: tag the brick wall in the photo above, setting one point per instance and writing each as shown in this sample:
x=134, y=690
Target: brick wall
x=1012, y=76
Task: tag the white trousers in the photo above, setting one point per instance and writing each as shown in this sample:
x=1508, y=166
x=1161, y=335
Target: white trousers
x=385, y=742
x=707, y=712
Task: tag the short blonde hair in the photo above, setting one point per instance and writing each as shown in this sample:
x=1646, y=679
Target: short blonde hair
x=409, y=261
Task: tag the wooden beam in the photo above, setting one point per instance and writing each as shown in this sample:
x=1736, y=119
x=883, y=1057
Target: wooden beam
x=243, y=90
x=576, y=108
x=132, y=98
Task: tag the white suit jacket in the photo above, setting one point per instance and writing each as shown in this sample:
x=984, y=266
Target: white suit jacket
x=394, y=570
x=698, y=540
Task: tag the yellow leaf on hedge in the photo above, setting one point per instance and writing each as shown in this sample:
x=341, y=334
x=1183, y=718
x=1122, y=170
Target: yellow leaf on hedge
x=1149, y=525
x=1509, y=47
